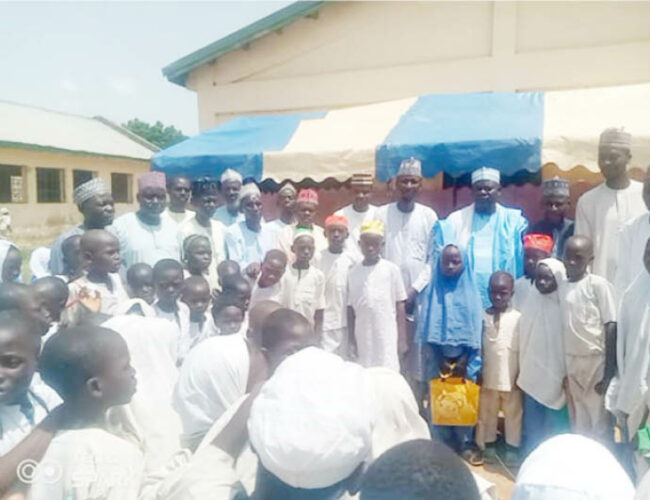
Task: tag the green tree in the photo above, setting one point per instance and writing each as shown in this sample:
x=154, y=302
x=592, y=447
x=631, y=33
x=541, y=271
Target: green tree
x=157, y=133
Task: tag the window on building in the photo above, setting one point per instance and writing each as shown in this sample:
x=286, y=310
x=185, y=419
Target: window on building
x=121, y=188
x=81, y=176
x=49, y=185
x=12, y=184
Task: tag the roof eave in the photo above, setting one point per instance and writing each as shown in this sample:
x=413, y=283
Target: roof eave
x=178, y=71
x=54, y=149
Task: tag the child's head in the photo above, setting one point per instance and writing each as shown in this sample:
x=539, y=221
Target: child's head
x=419, y=469
x=536, y=247
x=72, y=259
x=578, y=254
x=545, y=280
x=502, y=287
x=285, y=332
x=196, y=295
x=241, y=288
x=53, y=294
x=228, y=271
x=227, y=313
x=20, y=344
x=451, y=261
x=24, y=298
x=89, y=366
x=273, y=267
x=139, y=278
x=556, y=199
x=336, y=231
x=197, y=253
x=371, y=240
x=303, y=247
x=646, y=255
x=168, y=281
x=101, y=251
x=10, y=262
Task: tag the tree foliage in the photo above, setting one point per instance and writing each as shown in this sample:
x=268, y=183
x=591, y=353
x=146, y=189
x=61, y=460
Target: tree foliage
x=157, y=133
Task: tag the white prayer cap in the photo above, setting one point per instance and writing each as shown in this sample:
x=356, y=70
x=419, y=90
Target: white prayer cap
x=249, y=190
x=311, y=425
x=231, y=175
x=87, y=190
x=288, y=189
x=616, y=137
x=570, y=467
x=411, y=166
x=486, y=174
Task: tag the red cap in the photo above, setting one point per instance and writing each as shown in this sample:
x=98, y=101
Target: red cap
x=309, y=195
x=539, y=242
x=336, y=220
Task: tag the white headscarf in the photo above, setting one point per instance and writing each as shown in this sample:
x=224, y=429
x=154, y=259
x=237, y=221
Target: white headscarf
x=213, y=377
x=633, y=347
x=39, y=261
x=5, y=246
x=572, y=467
x=541, y=344
x=311, y=425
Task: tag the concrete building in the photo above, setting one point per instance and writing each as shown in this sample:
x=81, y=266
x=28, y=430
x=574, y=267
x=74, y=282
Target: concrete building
x=45, y=154
x=327, y=55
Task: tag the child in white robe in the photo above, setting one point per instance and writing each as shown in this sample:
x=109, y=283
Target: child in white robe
x=100, y=288
x=376, y=295
x=536, y=247
x=197, y=259
x=305, y=284
x=197, y=297
x=499, y=371
x=269, y=285
x=336, y=262
x=168, y=282
x=589, y=320
x=90, y=369
x=24, y=400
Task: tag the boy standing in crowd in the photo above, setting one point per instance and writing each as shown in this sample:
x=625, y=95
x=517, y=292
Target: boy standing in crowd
x=335, y=262
x=589, y=312
x=376, y=295
x=536, y=247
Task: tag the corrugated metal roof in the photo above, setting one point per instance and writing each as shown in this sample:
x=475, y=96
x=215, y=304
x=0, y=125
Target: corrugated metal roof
x=177, y=71
x=27, y=126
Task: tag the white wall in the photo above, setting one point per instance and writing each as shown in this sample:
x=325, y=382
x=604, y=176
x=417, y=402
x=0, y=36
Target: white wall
x=362, y=52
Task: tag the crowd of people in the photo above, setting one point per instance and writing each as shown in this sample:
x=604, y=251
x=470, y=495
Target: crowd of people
x=280, y=359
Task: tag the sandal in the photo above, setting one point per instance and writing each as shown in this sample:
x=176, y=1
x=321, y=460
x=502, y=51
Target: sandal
x=472, y=456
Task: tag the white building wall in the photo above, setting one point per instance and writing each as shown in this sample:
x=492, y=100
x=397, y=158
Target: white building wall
x=362, y=52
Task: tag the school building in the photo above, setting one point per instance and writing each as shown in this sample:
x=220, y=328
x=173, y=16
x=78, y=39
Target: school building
x=328, y=55
x=45, y=154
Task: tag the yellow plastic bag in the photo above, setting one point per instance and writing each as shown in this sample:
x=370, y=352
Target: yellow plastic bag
x=454, y=401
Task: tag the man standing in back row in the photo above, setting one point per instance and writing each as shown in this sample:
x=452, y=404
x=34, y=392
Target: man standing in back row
x=602, y=211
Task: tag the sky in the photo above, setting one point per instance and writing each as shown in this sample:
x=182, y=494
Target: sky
x=105, y=58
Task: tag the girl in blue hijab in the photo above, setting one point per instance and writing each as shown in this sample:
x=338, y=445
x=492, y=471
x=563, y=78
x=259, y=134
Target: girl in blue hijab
x=451, y=325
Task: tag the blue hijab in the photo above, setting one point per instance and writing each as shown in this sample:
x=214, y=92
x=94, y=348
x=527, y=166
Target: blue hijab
x=451, y=309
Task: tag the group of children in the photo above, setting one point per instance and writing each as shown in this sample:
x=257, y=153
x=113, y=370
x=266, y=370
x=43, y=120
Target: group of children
x=544, y=352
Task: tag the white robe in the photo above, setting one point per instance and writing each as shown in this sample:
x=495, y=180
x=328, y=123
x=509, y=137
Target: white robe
x=247, y=247
x=407, y=241
x=285, y=242
x=213, y=377
x=152, y=344
x=140, y=242
x=305, y=290
x=631, y=246
x=89, y=464
x=180, y=319
x=215, y=233
x=633, y=349
x=541, y=345
x=600, y=214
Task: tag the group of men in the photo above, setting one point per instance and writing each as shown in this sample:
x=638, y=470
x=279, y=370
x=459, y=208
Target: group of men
x=272, y=355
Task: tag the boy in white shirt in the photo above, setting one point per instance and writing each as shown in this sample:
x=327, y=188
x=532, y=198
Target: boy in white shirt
x=336, y=262
x=304, y=283
x=196, y=296
x=100, y=288
x=500, y=369
x=90, y=369
x=536, y=247
x=269, y=284
x=376, y=296
x=168, y=282
x=589, y=319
